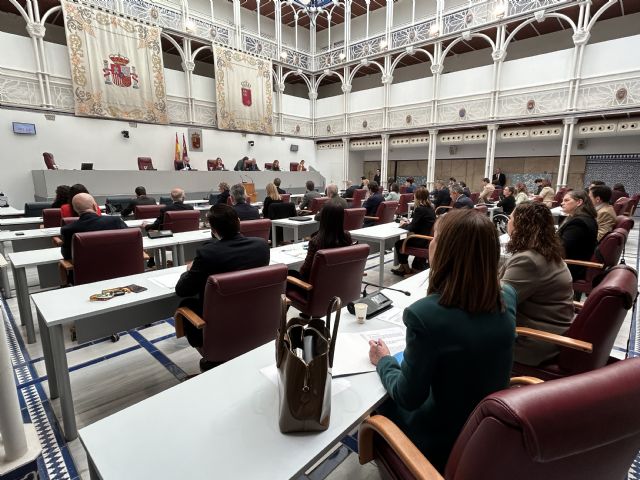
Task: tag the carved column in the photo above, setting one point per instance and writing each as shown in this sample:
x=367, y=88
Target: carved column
x=36, y=31
x=188, y=66
x=313, y=97
x=345, y=157
x=387, y=80
x=431, y=158
x=492, y=132
x=237, y=24
x=384, y=160
x=346, y=90
x=436, y=70
x=279, y=94
x=565, y=151
x=347, y=29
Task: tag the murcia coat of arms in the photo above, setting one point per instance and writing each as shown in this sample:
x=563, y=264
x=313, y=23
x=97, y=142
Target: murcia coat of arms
x=246, y=93
x=119, y=72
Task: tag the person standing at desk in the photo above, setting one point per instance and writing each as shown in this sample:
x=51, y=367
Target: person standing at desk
x=177, y=197
x=458, y=331
x=88, y=221
x=141, y=199
x=229, y=253
x=376, y=177
x=499, y=179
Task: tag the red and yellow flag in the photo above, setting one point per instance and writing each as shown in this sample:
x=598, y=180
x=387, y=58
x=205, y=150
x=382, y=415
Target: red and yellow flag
x=176, y=157
x=185, y=155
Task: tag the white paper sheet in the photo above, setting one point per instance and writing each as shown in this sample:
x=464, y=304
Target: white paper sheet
x=352, y=349
x=337, y=384
x=167, y=281
x=393, y=315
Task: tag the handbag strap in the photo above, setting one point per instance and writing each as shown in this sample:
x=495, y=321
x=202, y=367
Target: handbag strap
x=335, y=304
x=281, y=329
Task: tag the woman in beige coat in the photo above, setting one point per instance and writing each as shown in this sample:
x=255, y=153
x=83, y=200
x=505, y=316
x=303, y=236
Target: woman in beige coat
x=547, y=193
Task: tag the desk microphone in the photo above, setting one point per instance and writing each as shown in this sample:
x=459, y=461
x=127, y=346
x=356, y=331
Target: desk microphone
x=367, y=284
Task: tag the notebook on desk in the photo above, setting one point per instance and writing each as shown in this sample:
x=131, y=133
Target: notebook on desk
x=160, y=233
x=301, y=219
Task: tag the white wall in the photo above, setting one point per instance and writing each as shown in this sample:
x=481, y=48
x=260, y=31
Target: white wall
x=74, y=140
x=300, y=107
x=330, y=164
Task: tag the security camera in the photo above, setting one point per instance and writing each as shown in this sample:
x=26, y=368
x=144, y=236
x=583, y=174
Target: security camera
x=125, y=133
x=251, y=143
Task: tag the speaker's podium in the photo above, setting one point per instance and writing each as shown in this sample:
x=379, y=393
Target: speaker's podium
x=250, y=190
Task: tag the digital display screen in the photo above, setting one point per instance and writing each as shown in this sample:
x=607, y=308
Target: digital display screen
x=24, y=128
x=379, y=299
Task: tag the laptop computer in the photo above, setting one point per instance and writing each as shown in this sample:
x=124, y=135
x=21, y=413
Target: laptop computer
x=86, y=166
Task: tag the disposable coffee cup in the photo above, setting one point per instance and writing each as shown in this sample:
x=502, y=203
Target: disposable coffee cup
x=361, y=312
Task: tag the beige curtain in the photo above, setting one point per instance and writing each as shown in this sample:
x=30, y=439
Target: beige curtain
x=244, y=94
x=116, y=66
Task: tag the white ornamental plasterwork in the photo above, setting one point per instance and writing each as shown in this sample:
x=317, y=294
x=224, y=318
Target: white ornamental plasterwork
x=609, y=94
x=408, y=117
x=366, y=48
x=153, y=13
x=329, y=126
x=259, y=46
x=366, y=122
x=540, y=102
x=19, y=91
x=205, y=114
x=206, y=29
x=108, y=4
x=62, y=97
x=296, y=58
x=413, y=34
x=466, y=18
x=178, y=110
x=522, y=6
x=328, y=59
x=297, y=126
x=464, y=111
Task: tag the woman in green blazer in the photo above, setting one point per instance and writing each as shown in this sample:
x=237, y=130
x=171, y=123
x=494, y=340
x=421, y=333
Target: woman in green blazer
x=459, y=338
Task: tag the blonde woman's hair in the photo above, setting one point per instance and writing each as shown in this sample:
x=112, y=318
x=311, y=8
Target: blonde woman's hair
x=272, y=192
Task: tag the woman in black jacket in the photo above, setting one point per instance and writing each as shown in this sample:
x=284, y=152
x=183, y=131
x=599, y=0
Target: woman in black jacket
x=424, y=216
x=508, y=201
x=579, y=232
x=223, y=196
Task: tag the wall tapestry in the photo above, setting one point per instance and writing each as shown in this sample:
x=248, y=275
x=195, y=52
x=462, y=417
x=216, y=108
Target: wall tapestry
x=244, y=93
x=116, y=66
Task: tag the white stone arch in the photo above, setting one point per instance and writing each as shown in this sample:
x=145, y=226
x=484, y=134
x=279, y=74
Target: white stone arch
x=467, y=37
x=22, y=11
x=534, y=19
x=404, y=54
x=363, y=64
x=299, y=74
x=195, y=53
x=595, y=17
x=327, y=73
x=175, y=44
x=49, y=12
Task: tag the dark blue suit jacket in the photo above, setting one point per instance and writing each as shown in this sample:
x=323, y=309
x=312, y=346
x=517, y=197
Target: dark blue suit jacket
x=88, y=222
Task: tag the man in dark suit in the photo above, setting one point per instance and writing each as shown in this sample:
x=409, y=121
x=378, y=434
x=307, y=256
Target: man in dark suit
x=229, y=253
x=441, y=196
x=309, y=195
x=372, y=203
x=242, y=164
x=240, y=205
x=177, y=197
x=499, y=178
x=89, y=221
x=141, y=199
x=277, y=182
x=460, y=200
x=348, y=193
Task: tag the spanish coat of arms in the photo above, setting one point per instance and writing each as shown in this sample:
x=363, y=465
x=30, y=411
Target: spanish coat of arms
x=119, y=72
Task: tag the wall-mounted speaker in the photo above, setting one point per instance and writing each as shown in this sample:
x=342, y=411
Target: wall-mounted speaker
x=582, y=144
x=293, y=148
x=453, y=149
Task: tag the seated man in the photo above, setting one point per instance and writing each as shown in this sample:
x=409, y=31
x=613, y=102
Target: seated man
x=600, y=196
x=240, y=205
x=88, y=221
x=441, y=196
x=372, y=203
x=229, y=253
x=242, y=164
x=334, y=199
x=177, y=196
x=309, y=195
x=141, y=199
x=460, y=200
x=410, y=187
x=277, y=182
x=487, y=191
x=348, y=193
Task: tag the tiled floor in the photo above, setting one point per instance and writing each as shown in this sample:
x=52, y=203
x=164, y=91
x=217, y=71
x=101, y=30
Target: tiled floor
x=107, y=377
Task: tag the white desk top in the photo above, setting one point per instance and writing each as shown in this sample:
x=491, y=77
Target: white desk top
x=196, y=202
x=558, y=212
x=20, y=221
x=378, y=232
x=235, y=398
x=10, y=211
x=286, y=222
x=66, y=305
x=47, y=232
x=297, y=195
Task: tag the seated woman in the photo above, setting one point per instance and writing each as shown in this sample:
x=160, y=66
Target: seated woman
x=487, y=191
x=62, y=196
x=618, y=191
x=547, y=193
x=459, y=338
x=579, y=232
x=522, y=194
x=331, y=234
x=541, y=279
x=67, y=210
x=508, y=201
x=223, y=196
x=301, y=167
x=275, y=166
x=272, y=197
x=394, y=193
x=424, y=216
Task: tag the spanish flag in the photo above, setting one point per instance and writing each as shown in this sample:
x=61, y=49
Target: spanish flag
x=176, y=157
x=185, y=155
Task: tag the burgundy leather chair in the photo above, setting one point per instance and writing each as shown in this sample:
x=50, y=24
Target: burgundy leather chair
x=403, y=203
x=403, y=189
x=585, y=426
x=105, y=254
x=631, y=211
x=229, y=201
x=481, y=208
x=147, y=211
x=145, y=163
x=358, y=197
x=51, y=217
x=68, y=220
x=607, y=255
x=49, y=161
x=475, y=196
x=211, y=165
x=624, y=222
x=334, y=272
x=316, y=205
x=495, y=196
x=354, y=218
x=181, y=221
x=621, y=207
x=241, y=312
x=409, y=247
x=293, y=166
x=256, y=228
x=594, y=328
x=385, y=213
x=268, y=166
x=285, y=197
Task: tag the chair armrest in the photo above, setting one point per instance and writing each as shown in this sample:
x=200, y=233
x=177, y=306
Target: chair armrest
x=524, y=381
x=66, y=265
x=299, y=283
x=556, y=339
x=145, y=256
x=443, y=207
x=183, y=313
x=413, y=458
x=64, y=268
x=57, y=241
x=305, y=212
x=375, y=219
x=404, y=243
x=582, y=263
